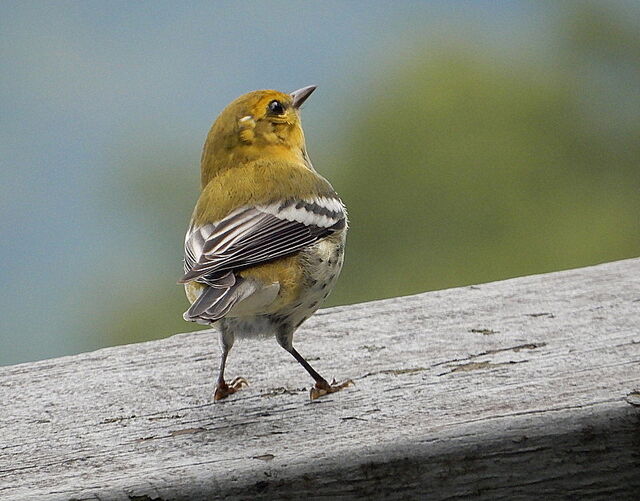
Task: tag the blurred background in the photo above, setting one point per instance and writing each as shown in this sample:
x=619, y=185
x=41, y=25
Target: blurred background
x=471, y=142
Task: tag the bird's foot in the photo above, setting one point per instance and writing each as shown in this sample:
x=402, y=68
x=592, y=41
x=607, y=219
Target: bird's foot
x=223, y=390
x=323, y=388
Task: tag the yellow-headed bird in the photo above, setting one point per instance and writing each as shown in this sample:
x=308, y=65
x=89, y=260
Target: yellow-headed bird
x=266, y=240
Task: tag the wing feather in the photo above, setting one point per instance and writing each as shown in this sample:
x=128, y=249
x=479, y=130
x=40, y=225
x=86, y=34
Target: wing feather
x=249, y=236
x=252, y=235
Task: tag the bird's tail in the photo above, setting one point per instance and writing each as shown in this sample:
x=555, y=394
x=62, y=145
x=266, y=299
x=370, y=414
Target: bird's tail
x=215, y=302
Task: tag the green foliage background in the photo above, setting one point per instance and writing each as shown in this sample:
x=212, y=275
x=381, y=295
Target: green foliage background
x=458, y=166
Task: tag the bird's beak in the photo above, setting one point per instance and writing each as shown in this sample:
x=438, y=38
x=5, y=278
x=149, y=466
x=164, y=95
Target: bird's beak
x=300, y=96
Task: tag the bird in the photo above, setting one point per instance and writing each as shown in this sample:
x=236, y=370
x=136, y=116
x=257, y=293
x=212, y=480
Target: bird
x=266, y=240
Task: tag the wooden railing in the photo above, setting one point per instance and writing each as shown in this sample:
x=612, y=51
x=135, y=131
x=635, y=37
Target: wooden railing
x=526, y=388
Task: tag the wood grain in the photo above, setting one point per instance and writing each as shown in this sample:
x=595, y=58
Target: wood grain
x=526, y=388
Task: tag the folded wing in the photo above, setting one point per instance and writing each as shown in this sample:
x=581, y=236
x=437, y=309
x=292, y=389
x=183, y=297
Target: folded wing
x=247, y=237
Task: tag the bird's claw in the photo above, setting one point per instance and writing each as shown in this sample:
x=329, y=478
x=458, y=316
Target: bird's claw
x=323, y=388
x=223, y=390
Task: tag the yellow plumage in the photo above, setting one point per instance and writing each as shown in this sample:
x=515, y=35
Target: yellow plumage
x=259, y=181
x=266, y=240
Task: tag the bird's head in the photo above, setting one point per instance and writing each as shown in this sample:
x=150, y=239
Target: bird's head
x=257, y=124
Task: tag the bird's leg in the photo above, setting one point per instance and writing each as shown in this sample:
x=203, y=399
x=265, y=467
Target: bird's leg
x=322, y=387
x=223, y=389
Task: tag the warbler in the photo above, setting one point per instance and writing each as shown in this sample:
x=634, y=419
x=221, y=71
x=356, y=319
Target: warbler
x=266, y=240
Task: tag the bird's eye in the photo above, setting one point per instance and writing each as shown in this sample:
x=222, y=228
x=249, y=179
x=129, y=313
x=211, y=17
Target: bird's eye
x=276, y=107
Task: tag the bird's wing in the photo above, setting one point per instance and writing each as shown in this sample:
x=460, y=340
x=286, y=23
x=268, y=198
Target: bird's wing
x=246, y=237
x=257, y=234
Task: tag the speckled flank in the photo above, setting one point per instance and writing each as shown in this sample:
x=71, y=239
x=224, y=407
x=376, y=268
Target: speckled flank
x=324, y=262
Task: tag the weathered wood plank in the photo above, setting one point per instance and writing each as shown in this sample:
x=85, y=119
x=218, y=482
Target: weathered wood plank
x=505, y=390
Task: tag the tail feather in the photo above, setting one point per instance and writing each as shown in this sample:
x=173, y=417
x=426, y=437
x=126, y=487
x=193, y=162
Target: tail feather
x=215, y=302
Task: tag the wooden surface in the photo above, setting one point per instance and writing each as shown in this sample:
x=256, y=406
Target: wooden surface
x=522, y=389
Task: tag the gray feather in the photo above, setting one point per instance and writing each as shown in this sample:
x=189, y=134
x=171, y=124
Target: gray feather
x=253, y=235
x=215, y=302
